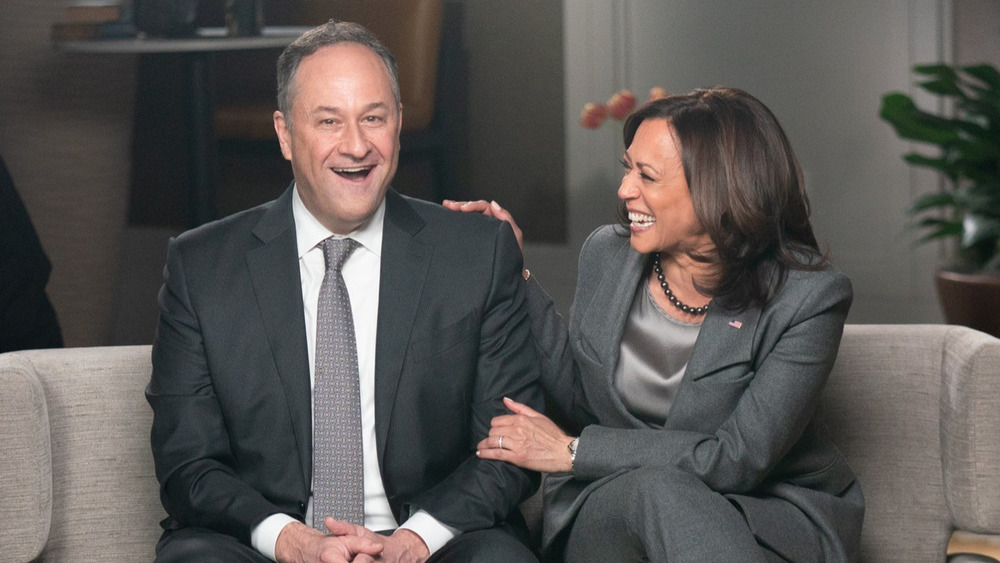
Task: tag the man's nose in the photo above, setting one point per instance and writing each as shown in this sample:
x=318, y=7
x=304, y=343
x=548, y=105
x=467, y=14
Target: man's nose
x=354, y=142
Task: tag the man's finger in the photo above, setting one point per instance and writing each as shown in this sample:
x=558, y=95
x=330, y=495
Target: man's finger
x=358, y=545
x=340, y=528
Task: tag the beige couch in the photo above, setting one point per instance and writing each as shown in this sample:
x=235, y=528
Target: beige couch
x=916, y=408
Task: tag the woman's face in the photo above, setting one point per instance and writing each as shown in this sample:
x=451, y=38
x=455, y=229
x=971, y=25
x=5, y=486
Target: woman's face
x=654, y=190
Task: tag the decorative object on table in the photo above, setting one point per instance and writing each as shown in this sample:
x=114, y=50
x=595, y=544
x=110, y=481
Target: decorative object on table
x=96, y=19
x=244, y=18
x=166, y=18
x=967, y=211
x=618, y=106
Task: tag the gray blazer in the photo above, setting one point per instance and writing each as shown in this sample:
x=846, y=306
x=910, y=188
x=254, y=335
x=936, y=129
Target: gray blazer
x=777, y=357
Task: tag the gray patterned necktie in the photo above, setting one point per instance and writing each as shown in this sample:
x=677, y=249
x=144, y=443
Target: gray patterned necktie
x=338, y=465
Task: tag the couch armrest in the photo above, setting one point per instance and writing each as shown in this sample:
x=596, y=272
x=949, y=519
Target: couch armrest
x=25, y=461
x=970, y=417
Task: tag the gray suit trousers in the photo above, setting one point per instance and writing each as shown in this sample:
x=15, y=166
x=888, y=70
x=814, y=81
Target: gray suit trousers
x=648, y=513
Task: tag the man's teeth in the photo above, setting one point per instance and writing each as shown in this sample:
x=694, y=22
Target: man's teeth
x=640, y=219
x=351, y=170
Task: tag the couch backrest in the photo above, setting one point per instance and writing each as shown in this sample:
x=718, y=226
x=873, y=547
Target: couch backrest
x=898, y=395
x=104, y=496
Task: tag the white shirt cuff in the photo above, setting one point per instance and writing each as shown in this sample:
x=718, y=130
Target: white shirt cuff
x=434, y=533
x=265, y=535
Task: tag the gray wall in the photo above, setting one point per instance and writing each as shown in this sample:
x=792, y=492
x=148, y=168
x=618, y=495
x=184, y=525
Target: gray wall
x=977, y=36
x=515, y=110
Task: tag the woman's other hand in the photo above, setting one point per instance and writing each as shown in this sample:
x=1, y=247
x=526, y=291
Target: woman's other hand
x=527, y=439
x=491, y=208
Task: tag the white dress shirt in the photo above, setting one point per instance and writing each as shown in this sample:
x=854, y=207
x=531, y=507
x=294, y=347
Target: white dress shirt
x=361, y=273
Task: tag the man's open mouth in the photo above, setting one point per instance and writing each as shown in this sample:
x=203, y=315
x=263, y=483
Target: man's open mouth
x=354, y=173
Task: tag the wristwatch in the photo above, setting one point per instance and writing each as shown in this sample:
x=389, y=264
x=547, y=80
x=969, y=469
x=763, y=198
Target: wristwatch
x=572, y=450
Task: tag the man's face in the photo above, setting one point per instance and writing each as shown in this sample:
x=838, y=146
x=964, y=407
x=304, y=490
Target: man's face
x=342, y=136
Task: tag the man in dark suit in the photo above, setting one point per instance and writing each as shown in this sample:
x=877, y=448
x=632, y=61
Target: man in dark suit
x=436, y=308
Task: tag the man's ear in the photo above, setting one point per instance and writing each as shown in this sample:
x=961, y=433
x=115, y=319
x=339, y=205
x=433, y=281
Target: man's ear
x=284, y=135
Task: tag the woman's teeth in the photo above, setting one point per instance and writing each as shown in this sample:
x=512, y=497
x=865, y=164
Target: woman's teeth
x=640, y=219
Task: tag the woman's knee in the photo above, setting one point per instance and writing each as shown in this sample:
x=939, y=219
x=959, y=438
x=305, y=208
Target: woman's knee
x=659, y=489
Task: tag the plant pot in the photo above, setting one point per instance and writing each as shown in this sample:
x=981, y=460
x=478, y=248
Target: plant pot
x=971, y=300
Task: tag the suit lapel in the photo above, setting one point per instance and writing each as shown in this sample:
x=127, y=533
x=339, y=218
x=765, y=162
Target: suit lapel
x=405, y=262
x=274, y=271
x=603, y=323
x=726, y=338
x=604, y=320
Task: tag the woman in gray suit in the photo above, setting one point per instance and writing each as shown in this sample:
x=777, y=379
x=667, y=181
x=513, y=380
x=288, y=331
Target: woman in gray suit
x=687, y=381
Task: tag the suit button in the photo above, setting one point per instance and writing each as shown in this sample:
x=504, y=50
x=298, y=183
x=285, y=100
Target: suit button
x=302, y=507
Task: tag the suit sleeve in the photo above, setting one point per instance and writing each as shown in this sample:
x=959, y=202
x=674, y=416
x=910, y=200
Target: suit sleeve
x=769, y=417
x=481, y=493
x=560, y=374
x=190, y=442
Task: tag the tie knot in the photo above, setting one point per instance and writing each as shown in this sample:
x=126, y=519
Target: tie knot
x=337, y=251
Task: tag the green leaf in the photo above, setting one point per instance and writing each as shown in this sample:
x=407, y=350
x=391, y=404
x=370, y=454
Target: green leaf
x=937, y=70
x=979, y=110
x=932, y=201
x=942, y=87
x=945, y=230
x=985, y=73
x=979, y=228
x=977, y=131
x=940, y=164
x=913, y=124
x=984, y=199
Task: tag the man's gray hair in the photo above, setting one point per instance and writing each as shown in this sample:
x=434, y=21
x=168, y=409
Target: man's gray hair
x=330, y=33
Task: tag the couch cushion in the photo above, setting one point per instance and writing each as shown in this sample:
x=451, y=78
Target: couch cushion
x=25, y=463
x=882, y=407
x=105, y=498
x=970, y=430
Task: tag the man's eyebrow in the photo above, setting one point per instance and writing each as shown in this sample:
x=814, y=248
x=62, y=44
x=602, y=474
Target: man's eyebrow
x=335, y=109
x=377, y=105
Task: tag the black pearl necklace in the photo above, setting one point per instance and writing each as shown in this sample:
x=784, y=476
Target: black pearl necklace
x=670, y=295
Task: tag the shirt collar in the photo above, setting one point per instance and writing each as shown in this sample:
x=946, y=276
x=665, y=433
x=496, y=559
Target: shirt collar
x=309, y=231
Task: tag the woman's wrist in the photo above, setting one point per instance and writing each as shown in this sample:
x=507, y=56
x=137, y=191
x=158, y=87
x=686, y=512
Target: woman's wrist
x=572, y=446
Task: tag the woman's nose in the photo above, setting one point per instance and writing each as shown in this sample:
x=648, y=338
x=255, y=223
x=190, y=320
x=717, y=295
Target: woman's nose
x=627, y=189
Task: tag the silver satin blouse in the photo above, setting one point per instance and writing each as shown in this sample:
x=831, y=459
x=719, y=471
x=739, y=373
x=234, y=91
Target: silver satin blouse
x=654, y=353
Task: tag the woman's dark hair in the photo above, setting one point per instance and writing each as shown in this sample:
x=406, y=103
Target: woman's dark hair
x=746, y=187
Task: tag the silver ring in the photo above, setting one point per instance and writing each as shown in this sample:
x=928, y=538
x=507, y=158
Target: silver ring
x=500, y=442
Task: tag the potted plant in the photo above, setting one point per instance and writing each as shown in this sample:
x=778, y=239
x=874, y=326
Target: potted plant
x=966, y=212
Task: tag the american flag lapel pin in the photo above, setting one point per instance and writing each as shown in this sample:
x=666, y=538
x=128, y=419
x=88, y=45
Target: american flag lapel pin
x=736, y=324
